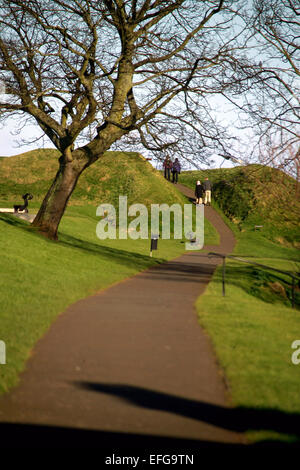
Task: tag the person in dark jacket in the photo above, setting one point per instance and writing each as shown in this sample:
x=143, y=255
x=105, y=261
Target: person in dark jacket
x=176, y=170
x=207, y=190
x=199, y=192
x=167, y=167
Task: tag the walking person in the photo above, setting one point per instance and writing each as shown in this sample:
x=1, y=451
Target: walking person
x=199, y=192
x=176, y=170
x=167, y=167
x=207, y=190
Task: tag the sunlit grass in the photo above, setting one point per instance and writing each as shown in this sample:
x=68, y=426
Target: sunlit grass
x=252, y=329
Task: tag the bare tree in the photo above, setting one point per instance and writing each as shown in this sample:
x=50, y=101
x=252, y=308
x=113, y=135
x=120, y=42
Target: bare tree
x=287, y=161
x=274, y=105
x=105, y=69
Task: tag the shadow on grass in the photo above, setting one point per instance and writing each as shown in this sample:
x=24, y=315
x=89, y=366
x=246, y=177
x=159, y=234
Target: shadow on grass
x=14, y=221
x=258, y=283
x=267, y=256
x=253, y=281
x=122, y=256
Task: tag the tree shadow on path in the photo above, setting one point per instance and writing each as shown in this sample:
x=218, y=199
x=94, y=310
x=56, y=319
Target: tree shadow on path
x=17, y=435
x=32, y=436
x=239, y=419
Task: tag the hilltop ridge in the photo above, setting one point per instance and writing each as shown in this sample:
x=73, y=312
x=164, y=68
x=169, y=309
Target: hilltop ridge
x=116, y=173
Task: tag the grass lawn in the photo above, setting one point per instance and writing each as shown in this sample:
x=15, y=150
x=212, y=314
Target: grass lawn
x=252, y=329
x=40, y=278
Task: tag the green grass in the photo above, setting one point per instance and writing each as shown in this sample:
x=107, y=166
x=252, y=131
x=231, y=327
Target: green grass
x=252, y=329
x=40, y=278
x=116, y=173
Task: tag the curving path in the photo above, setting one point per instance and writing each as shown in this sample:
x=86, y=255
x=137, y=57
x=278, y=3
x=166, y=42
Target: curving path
x=128, y=367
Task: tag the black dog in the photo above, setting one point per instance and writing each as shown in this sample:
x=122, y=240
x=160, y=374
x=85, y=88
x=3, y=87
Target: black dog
x=23, y=207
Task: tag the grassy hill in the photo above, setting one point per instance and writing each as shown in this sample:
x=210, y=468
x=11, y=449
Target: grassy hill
x=255, y=195
x=117, y=173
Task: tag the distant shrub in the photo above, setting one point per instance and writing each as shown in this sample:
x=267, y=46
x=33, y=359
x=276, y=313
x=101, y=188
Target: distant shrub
x=234, y=198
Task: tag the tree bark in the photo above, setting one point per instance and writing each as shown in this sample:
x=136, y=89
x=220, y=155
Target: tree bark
x=71, y=165
x=54, y=204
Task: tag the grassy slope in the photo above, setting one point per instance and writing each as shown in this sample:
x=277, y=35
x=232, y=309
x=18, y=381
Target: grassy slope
x=252, y=330
x=253, y=327
x=40, y=278
x=115, y=174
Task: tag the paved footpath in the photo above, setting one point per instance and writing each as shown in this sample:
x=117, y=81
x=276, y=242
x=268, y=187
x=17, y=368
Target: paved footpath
x=128, y=367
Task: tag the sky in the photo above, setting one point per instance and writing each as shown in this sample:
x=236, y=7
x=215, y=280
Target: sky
x=12, y=142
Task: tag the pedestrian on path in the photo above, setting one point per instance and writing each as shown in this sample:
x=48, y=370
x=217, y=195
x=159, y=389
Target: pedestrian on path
x=176, y=170
x=167, y=167
x=207, y=190
x=199, y=192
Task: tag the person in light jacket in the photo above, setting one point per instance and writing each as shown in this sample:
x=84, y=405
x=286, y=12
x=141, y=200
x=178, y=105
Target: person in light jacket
x=207, y=191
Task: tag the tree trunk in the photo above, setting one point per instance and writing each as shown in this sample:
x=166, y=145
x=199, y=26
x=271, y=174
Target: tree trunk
x=54, y=204
x=297, y=176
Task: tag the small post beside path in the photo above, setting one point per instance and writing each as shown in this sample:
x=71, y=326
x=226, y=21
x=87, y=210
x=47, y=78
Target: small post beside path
x=223, y=275
x=154, y=241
